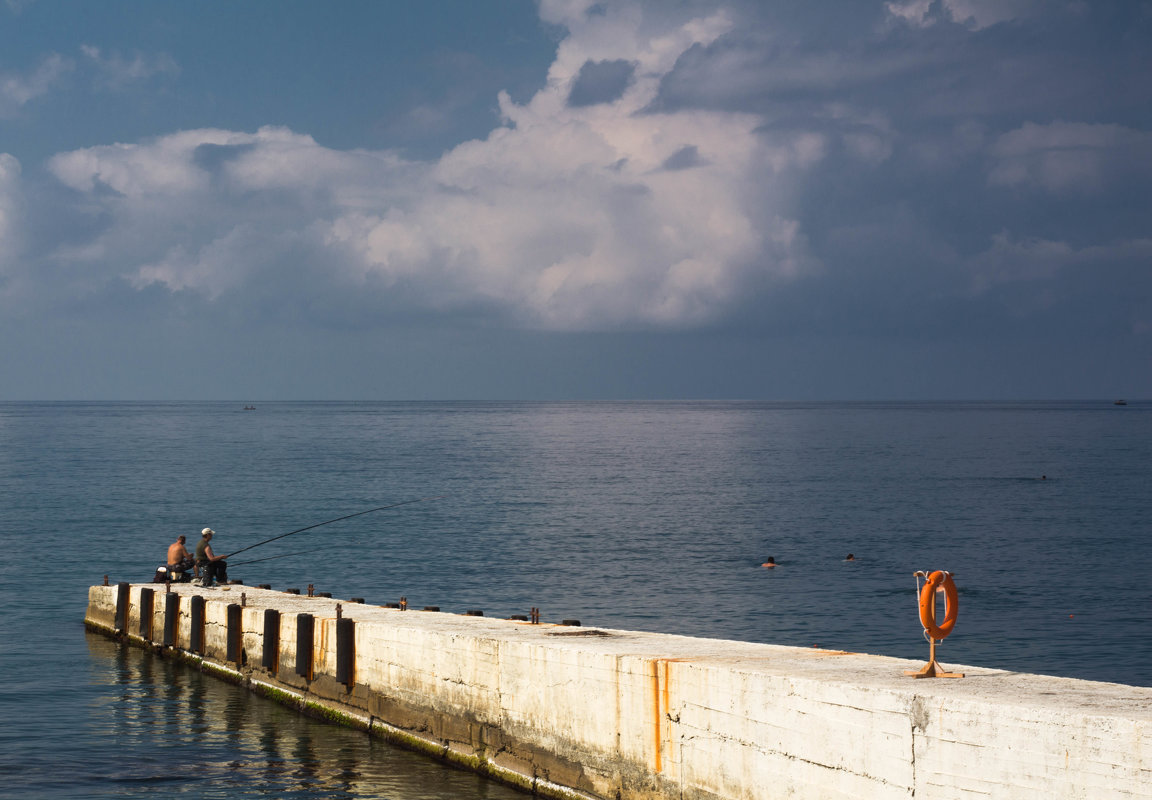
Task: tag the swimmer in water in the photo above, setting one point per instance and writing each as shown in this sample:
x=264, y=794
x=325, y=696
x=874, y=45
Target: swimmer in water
x=770, y=563
x=850, y=557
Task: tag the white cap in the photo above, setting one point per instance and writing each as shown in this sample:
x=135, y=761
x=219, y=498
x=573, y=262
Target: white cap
x=206, y=531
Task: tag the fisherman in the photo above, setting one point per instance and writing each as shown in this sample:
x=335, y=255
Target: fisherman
x=213, y=565
x=180, y=560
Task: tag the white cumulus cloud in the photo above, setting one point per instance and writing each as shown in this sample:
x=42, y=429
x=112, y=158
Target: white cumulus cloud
x=568, y=217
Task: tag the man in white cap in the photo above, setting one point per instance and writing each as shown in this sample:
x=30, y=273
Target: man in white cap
x=213, y=566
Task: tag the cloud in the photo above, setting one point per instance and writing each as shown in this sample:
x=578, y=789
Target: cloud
x=714, y=170
x=570, y=218
x=11, y=212
x=975, y=14
x=1060, y=288
x=1070, y=156
x=114, y=71
x=1013, y=260
x=591, y=216
x=16, y=90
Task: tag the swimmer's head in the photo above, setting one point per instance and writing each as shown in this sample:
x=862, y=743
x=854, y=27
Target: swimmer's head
x=850, y=557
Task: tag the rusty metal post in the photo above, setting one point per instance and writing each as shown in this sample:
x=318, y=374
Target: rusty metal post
x=346, y=651
x=147, y=604
x=305, y=631
x=122, y=600
x=271, y=656
x=171, y=618
x=235, y=634
x=196, y=617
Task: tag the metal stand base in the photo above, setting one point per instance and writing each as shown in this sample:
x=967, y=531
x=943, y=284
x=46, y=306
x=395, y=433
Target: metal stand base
x=932, y=669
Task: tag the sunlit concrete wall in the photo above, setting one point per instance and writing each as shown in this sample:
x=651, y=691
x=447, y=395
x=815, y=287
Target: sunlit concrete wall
x=598, y=713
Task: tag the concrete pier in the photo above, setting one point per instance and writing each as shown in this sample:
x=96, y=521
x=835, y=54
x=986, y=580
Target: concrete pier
x=605, y=714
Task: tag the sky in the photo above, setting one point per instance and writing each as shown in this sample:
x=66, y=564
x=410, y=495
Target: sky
x=575, y=200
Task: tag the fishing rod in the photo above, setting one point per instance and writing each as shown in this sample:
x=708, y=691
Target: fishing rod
x=272, y=558
x=329, y=522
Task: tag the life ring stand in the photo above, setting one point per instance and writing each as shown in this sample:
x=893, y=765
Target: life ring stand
x=934, y=632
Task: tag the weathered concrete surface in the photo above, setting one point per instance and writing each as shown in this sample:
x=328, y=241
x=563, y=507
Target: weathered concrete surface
x=577, y=712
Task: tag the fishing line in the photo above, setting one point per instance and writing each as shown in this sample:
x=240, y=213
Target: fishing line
x=298, y=553
x=271, y=558
x=329, y=522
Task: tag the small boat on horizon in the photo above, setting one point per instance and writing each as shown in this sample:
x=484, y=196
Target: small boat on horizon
x=1120, y=403
x=249, y=408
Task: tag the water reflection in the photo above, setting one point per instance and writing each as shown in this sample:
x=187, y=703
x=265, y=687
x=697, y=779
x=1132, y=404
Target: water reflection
x=202, y=738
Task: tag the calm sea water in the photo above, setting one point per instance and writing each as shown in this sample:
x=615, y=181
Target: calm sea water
x=652, y=516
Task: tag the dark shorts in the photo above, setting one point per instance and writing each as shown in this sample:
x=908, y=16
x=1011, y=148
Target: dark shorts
x=214, y=571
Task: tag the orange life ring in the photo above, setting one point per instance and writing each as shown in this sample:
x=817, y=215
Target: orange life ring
x=928, y=605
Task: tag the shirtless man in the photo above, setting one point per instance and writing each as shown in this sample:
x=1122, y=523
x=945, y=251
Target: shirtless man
x=214, y=566
x=179, y=559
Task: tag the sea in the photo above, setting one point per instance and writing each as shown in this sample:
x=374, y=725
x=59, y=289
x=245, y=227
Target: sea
x=652, y=516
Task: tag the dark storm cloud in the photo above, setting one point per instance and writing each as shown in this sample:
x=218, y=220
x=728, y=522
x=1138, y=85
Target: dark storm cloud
x=983, y=164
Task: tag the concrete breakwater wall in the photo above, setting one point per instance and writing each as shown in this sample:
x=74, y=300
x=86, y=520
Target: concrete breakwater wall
x=597, y=713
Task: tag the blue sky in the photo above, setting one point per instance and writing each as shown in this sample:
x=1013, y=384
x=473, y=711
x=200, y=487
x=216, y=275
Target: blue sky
x=843, y=200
